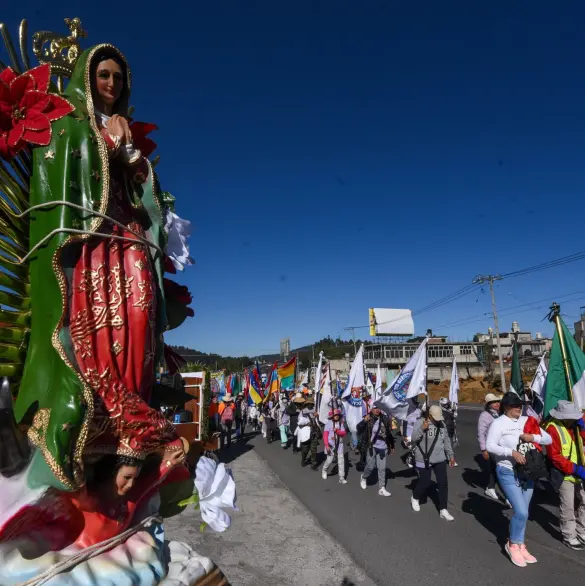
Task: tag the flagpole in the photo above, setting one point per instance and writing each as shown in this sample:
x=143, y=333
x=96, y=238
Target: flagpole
x=555, y=316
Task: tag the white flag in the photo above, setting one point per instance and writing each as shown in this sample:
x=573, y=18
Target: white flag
x=411, y=382
x=356, y=374
x=325, y=407
x=304, y=378
x=353, y=391
x=378, y=389
x=538, y=384
x=318, y=373
x=454, y=387
x=370, y=386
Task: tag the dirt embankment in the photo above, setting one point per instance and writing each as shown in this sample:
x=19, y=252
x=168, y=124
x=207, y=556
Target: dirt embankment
x=471, y=390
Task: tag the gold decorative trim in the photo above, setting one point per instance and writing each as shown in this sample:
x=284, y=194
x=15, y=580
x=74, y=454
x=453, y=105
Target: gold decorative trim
x=62, y=281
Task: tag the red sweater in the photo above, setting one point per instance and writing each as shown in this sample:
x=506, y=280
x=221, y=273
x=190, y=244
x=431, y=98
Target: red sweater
x=554, y=452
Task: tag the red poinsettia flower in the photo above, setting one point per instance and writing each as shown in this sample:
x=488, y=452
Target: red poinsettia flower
x=140, y=140
x=27, y=109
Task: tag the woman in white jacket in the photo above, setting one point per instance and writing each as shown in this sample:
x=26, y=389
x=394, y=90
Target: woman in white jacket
x=504, y=435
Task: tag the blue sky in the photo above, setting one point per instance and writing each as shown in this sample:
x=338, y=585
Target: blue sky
x=335, y=156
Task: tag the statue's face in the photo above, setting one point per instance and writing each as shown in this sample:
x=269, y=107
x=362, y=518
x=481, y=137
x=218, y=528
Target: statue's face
x=109, y=81
x=125, y=479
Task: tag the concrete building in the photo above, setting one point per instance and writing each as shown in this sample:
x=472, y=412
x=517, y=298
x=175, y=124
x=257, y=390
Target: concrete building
x=440, y=352
x=527, y=345
x=471, y=356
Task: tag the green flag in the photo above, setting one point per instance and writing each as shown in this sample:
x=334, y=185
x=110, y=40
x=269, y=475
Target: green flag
x=516, y=383
x=236, y=384
x=556, y=382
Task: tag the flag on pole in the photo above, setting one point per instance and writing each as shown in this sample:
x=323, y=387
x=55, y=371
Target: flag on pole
x=326, y=399
x=338, y=385
x=255, y=387
x=318, y=373
x=556, y=380
x=272, y=382
x=410, y=382
x=378, y=387
x=304, y=379
x=286, y=374
x=516, y=383
x=324, y=383
x=538, y=387
x=353, y=391
x=454, y=386
x=370, y=385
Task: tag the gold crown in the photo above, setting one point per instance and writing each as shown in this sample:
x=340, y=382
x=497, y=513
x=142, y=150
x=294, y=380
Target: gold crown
x=60, y=51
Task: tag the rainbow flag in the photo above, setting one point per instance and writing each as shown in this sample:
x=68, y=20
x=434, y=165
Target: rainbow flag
x=272, y=383
x=286, y=374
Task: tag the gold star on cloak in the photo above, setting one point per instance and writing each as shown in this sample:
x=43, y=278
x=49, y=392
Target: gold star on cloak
x=50, y=154
x=76, y=153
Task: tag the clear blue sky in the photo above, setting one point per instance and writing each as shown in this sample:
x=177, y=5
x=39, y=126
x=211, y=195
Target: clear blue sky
x=335, y=156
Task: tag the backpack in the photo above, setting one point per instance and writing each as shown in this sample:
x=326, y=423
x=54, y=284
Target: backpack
x=227, y=415
x=536, y=467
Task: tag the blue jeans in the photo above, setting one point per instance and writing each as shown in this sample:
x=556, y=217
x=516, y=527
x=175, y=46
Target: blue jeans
x=519, y=497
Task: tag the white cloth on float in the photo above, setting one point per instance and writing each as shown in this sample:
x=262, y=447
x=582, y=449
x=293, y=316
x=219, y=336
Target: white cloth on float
x=178, y=230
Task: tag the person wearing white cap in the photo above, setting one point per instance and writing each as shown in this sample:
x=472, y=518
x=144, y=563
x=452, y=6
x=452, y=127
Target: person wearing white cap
x=567, y=472
x=432, y=451
x=489, y=414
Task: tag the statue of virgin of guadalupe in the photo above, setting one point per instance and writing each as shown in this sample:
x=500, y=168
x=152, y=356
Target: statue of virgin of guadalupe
x=97, y=287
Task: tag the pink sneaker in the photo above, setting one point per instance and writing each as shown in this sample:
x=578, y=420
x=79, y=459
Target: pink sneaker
x=515, y=553
x=528, y=557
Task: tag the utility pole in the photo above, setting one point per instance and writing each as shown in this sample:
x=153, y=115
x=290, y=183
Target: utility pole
x=479, y=280
x=352, y=330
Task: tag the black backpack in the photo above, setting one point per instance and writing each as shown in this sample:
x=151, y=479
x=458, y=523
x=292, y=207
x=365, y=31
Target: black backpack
x=536, y=467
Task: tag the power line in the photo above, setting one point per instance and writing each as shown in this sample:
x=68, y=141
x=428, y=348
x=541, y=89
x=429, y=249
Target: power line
x=435, y=305
x=546, y=265
x=512, y=309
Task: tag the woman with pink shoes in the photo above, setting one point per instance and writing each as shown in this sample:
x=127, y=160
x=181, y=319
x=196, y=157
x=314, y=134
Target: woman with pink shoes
x=506, y=435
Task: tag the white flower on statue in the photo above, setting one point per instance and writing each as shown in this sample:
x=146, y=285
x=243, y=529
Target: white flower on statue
x=216, y=489
x=178, y=230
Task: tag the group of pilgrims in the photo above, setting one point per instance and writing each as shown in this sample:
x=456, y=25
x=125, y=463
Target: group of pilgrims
x=510, y=438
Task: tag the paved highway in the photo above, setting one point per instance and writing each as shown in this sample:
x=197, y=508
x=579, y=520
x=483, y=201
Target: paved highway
x=394, y=545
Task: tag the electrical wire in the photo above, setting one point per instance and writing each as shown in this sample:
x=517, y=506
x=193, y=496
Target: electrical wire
x=545, y=265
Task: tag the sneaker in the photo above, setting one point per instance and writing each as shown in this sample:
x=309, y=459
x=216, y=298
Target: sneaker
x=342, y=481
x=414, y=504
x=515, y=553
x=363, y=483
x=528, y=557
x=491, y=492
x=445, y=514
x=384, y=492
x=581, y=538
x=574, y=543
x=324, y=474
